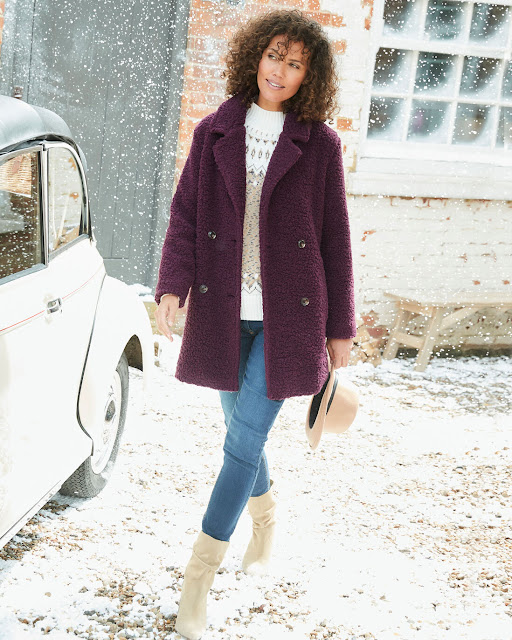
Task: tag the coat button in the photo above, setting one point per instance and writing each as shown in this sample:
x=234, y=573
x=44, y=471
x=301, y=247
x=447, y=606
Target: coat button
x=203, y=288
x=302, y=244
x=304, y=301
x=212, y=235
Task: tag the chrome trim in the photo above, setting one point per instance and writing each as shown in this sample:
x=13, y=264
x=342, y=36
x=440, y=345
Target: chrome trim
x=12, y=154
x=44, y=202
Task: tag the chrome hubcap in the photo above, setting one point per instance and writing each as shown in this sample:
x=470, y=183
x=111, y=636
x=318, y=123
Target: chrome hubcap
x=105, y=443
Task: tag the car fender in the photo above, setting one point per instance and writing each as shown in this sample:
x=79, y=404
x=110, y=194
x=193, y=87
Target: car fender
x=121, y=323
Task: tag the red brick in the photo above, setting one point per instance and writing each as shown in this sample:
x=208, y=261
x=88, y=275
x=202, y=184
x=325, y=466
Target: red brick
x=205, y=85
x=293, y=4
x=368, y=320
x=367, y=233
x=377, y=332
x=344, y=124
x=200, y=43
x=204, y=28
x=340, y=46
x=321, y=17
x=202, y=71
x=337, y=21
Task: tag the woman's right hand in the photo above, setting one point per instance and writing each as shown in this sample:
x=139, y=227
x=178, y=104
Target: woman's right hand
x=165, y=314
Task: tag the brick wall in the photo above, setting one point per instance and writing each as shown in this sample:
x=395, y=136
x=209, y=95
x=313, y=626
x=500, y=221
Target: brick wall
x=399, y=243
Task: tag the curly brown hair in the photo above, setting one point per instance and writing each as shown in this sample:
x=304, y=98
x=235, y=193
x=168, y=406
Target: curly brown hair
x=316, y=97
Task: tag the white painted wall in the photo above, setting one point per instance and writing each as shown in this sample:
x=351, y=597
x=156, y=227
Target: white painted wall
x=417, y=245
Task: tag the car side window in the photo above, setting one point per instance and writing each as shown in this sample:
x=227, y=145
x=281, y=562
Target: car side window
x=65, y=198
x=20, y=214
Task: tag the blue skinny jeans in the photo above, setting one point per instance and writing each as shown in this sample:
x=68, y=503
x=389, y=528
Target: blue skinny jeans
x=249, y=415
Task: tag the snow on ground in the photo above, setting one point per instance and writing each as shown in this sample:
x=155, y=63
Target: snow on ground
x=399, y=528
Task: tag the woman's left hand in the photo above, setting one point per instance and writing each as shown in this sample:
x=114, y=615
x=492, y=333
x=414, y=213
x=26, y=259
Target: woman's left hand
x=339, y=351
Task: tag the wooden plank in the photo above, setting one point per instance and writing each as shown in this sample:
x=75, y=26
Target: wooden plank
x=430, y=339
x=409, y=340
x=401, y=319
x=456, y=316
x=415, y=307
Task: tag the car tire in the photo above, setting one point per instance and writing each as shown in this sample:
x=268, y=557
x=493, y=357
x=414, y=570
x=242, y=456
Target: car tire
x=93, y=474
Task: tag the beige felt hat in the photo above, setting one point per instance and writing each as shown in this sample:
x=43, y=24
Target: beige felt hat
x=332, y=409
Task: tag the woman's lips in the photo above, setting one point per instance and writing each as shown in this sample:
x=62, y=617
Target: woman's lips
x=272, y=87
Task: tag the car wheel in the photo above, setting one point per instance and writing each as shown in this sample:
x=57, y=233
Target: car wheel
x=93, y=474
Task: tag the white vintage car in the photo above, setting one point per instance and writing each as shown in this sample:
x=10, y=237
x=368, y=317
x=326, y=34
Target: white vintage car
x=68, y=331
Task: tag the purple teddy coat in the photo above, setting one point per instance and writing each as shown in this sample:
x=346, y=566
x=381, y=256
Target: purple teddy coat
x=305, y=254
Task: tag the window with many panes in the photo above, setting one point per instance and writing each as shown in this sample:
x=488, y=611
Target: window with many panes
x=441, y=87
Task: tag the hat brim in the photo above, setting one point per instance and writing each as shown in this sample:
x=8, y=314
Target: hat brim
x=317, y=411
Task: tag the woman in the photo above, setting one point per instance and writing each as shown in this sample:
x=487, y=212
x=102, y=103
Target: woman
x=259, y=234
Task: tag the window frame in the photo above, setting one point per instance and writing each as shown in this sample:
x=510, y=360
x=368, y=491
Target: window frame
x=41, y=148
x=417, y=168
x=38, y=148
x=85, y=222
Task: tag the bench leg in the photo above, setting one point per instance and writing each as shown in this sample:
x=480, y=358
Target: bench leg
x=430, y=339
x=401, y=320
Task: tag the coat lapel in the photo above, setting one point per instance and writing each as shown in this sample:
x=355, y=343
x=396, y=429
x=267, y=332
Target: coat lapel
x=229, y=151
x=229, y=154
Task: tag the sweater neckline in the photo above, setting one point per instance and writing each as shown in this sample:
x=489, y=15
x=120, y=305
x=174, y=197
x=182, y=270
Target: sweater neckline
x=264, y=120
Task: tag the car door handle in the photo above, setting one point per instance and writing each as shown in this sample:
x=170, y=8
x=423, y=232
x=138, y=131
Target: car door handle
x=54, y=305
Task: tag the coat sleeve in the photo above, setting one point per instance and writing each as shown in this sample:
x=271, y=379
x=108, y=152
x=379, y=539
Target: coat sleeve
x=177, y=265
x=336, y=252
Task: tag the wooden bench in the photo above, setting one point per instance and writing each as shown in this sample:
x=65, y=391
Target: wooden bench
x=444, y=310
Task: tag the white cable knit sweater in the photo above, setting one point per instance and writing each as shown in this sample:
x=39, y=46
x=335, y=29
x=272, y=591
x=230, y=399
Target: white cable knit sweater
x=263, y=129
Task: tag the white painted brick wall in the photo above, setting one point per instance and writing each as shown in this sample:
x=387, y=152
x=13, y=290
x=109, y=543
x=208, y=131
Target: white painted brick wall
x=420, y=245
x=416, y=249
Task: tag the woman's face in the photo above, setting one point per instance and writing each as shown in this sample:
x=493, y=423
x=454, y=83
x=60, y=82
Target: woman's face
x=280, y=73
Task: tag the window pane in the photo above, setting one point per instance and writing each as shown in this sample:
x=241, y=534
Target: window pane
x=504, y=137
x=65, y=197
x=435, y=74
x=480, y=77
x=444, y=20
x=429, y=121
x=400, y=17
x=391, y=69
x=385, y=118
x=472, y=124
x=489, y=24
x=20, y=217
x=506, y=91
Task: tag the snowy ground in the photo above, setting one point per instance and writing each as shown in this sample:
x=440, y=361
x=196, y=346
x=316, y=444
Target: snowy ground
x=397, y=529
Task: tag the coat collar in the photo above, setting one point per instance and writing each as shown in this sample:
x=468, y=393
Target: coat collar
x=232, y=112
x=229, y=151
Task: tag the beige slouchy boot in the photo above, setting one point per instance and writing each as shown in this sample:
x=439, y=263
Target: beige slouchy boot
x=207, y=555
x=262, y=510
